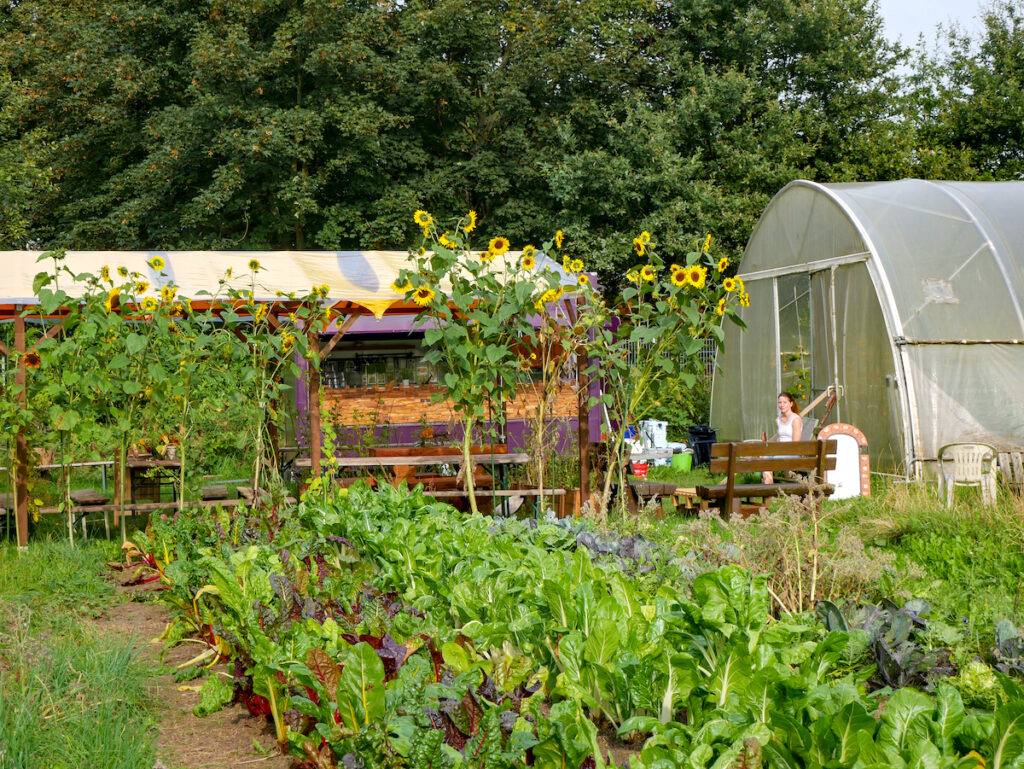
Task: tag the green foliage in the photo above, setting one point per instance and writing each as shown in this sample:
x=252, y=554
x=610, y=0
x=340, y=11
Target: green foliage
x=214, y=694
x=390, y=626
x=290, y=124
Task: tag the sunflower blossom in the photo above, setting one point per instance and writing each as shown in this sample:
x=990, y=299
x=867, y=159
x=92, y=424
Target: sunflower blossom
x=729, y=284
x=529, y=262
x=470, y=223
x=157, y=263
x=645, y=238
x=423, y=296
x=583, y=280
x=498, y=245
x=105, y=273
x=559, y=239
x=720, y=309
x=576, y=265
x=402, y=288
x=445, y=241
x=696, y=275
x=149, y=304
x=254, y=264
x=678, y=277
x=528, y=250
x=639, y=246
x=487, y=256
x=647, y=273
x=744, y=299
x=423, y=219
x=707, y=243
x=723, y=263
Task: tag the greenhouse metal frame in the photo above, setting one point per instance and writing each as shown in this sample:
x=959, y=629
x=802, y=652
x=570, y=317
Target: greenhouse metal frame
x=906, y=297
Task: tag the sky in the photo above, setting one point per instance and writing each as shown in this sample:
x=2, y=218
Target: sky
x=906, y=19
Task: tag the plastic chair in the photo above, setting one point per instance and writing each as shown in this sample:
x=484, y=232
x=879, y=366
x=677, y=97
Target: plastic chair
x=807, y=425
x=967, y=464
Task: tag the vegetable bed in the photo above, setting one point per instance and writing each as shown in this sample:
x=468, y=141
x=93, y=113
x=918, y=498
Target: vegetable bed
x=385, y=629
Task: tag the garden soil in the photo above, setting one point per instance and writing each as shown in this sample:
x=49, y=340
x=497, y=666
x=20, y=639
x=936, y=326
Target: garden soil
x=224, y=740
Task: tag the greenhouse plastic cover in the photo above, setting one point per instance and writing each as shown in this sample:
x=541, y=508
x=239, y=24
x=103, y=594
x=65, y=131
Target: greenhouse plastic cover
x=928, y=280
x=360, y=277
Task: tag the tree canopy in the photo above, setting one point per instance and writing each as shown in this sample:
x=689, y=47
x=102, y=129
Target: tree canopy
x=195, y=124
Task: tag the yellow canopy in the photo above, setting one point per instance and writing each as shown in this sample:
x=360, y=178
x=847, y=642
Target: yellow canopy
x=362, y=278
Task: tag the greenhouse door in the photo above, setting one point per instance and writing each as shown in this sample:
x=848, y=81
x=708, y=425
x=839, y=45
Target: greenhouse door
x=808, y=353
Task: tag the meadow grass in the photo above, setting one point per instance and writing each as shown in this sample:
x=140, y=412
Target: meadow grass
x=71, y=698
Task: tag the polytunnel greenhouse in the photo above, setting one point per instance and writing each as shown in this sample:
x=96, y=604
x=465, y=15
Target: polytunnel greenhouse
x=905, y=296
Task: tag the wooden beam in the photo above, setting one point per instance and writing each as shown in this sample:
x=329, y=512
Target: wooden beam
x=3, y=350
x=315, y=427
x=21, y=442
x=333, y=341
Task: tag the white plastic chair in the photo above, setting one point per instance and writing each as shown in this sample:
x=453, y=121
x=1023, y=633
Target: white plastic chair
x=967, y=464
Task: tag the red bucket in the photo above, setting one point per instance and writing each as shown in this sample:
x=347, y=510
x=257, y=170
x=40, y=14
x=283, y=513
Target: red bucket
x=640, y=469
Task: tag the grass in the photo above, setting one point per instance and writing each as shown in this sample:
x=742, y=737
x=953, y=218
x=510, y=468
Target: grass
x=70, y=697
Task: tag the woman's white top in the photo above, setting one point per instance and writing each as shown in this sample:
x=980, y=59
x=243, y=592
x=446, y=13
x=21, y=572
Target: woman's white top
x=785, y=429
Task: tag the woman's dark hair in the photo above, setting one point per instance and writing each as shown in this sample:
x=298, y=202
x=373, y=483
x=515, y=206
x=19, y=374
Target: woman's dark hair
x=796, y=406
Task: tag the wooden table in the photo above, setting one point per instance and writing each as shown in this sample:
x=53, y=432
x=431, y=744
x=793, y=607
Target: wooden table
x=138, y=465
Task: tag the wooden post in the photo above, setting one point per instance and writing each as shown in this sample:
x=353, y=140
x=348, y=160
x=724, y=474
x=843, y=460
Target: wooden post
x=21, y=443
x=583, y=422
x=313, y=383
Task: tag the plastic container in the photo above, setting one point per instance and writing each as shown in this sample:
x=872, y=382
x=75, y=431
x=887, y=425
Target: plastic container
x=701, y=438
x=655, y=433
x=640, y=470
x=682, y=461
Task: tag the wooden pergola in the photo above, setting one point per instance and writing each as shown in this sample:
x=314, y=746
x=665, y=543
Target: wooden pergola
x=343, y=312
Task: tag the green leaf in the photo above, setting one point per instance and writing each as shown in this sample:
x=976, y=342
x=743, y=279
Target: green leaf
x=905, y=719
x=135, y=343
x=602, y=643
x=850, y=721
x=215, y=694
x=131, y=388
x=361, y=688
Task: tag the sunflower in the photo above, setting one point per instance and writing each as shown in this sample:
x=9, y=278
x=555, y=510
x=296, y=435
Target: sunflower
x=696, y=275
x=157, y=263
x=293, y=318
x=645, y=237
x=723, y=263
x=105, y=273
x=471, y=223
x=167, y=293
x=560, y=292
x=707, y=243
x=729, y=284
x=227, y=273
x=149, y=304
x=529, y=262
x=739, y=284
x=576, y=265
x=423, y=219
x=323, y=290
x=287, y=342
x=142, y=287
x=633, y=276
x=720, y=309
x=401, y=288
x=487, y=256
x=259, y=313
x=647, y=273
x=445, y=241
x=423, y=296
x=498, y=245
x=32, y=360
x=583, y=280
x=678, y=277
x=566, y=262
x=254, y=264
x=639, y=247
x=528, y=251
x=744, y=299
x=122, y=271
x=559, y=239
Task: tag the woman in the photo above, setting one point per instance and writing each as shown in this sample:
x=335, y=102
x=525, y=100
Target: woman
x=789, y=426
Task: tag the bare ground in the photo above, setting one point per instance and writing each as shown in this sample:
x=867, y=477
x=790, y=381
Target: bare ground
x=224, y=740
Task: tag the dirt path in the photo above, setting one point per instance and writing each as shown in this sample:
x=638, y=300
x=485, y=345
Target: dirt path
x=224, y=740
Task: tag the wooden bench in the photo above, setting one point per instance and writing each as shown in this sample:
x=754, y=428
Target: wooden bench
x=214, y=491
x=732, y=459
